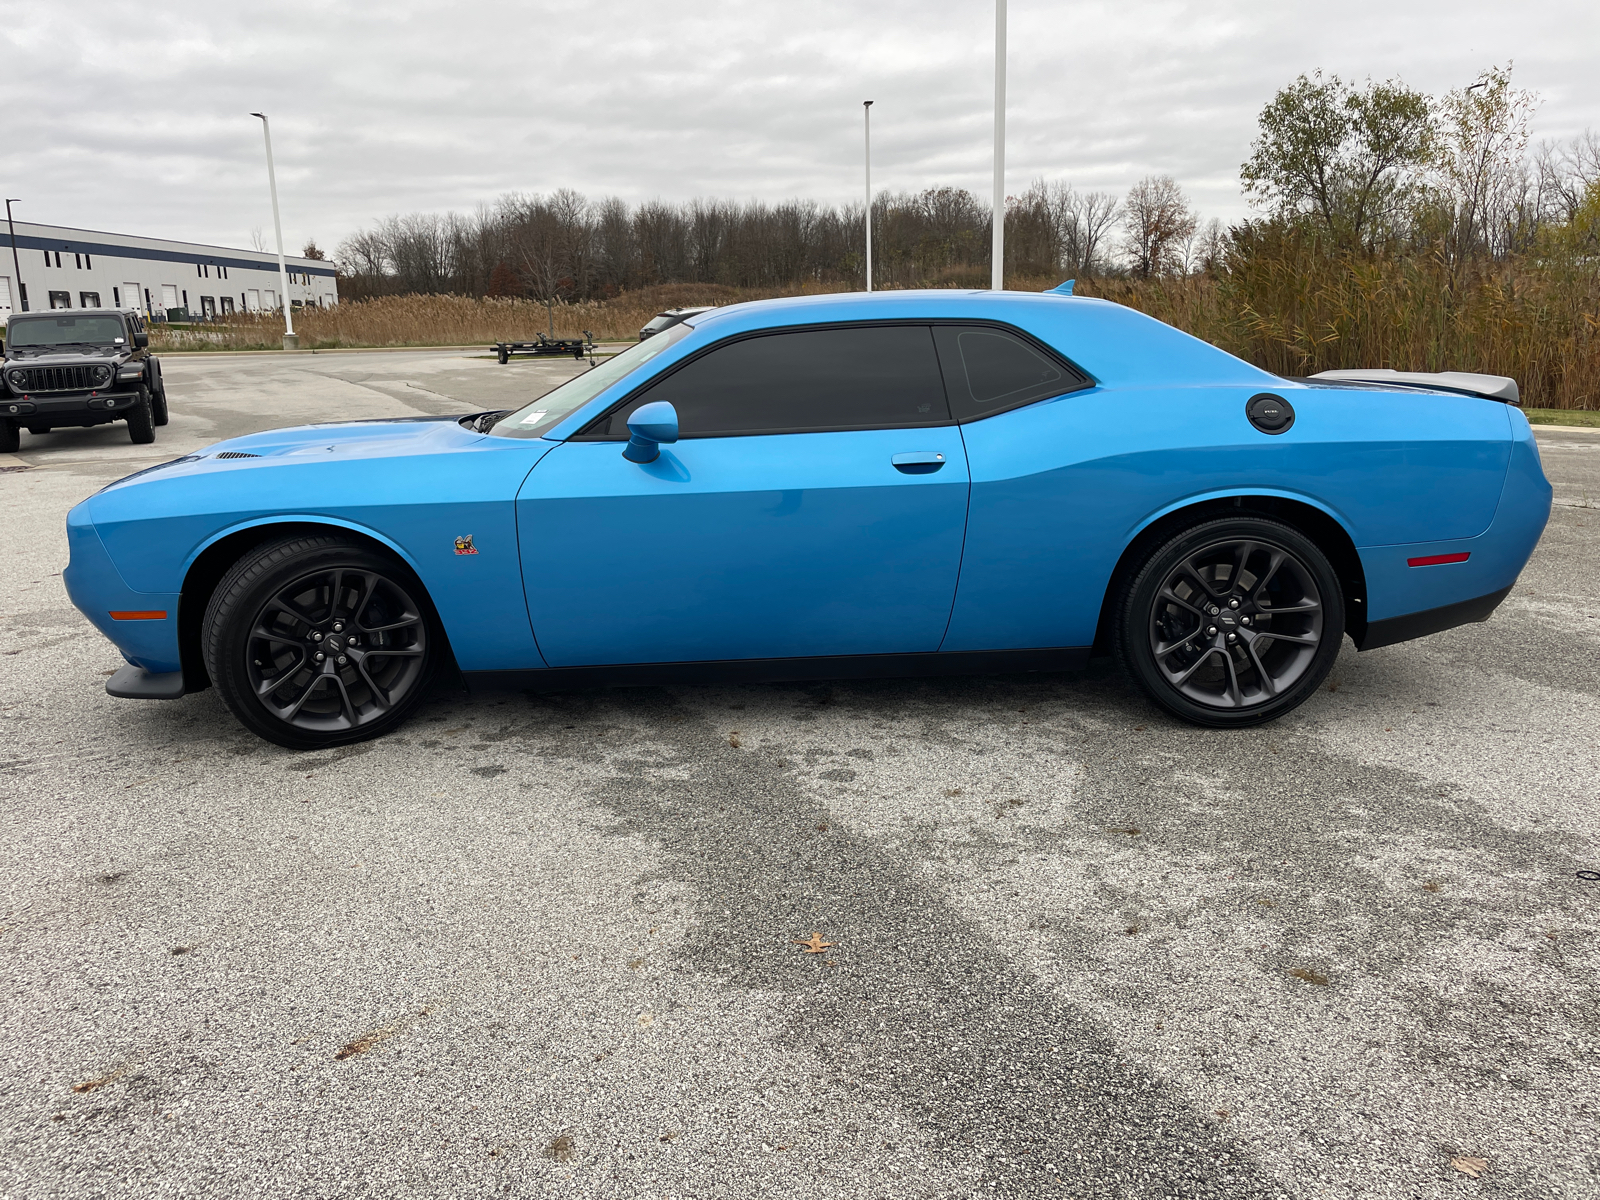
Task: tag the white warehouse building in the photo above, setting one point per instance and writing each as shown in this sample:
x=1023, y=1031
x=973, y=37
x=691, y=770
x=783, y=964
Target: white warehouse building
x=84, y=268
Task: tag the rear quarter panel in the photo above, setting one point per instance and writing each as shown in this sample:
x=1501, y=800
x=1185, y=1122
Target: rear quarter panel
x=1060, y=488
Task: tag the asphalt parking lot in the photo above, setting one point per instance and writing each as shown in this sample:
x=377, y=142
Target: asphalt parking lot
x=548, y=947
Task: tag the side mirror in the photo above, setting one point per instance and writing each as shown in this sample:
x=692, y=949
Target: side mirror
x=650, y=425
x=141, y=341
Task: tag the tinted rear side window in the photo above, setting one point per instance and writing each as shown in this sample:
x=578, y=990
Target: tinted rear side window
x=868, y=377
x=988, y=369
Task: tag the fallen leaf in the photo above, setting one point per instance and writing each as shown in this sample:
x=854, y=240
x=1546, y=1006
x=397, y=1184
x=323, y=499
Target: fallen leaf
x=1431, y=886
x=560, y=1149
x=733, y=739
x=1310, y=976
x=1470, y=1167
x=1130, y=830
x=92, y=1084
x=814, y=944
x=1138, y=728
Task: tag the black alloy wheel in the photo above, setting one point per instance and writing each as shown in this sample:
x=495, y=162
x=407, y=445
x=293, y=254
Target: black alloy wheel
x=1233, y=622
x=141, y=420
x=317, y=641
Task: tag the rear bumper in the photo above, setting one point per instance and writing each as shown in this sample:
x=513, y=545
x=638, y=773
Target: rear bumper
x=1423, y=587
x=1432, y=620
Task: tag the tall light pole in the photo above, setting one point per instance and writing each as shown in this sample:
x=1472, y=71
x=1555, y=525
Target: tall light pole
x=18, y=304
x=290, y=341
x=997, y=251
x=866, y=110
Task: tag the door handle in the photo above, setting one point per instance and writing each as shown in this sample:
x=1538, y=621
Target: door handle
x=919, y=462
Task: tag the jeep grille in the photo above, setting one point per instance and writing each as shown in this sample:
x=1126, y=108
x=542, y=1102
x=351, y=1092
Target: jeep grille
x=58, y=379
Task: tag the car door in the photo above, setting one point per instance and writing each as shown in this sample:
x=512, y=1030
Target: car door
x=814, y=505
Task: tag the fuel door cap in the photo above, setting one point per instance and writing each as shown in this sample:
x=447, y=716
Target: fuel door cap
x=1269, y=413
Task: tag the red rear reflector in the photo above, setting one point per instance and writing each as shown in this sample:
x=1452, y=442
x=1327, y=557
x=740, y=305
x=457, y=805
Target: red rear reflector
x=1438, y=560
x=140, y=614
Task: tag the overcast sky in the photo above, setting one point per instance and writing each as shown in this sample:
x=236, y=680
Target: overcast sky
x=132, y=118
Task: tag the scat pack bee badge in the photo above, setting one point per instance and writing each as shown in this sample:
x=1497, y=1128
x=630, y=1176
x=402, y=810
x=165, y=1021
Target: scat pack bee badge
x=464, y=545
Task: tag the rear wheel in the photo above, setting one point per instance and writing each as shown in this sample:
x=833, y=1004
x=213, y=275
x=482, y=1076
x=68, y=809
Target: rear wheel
x=316, y=641
x=1233, y=622
x=141, y=421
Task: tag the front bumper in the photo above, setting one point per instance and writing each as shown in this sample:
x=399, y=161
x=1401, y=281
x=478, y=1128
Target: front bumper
x=143, y=625
x=67, y=408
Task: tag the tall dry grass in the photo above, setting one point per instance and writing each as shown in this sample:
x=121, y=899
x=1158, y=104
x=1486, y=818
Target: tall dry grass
x=1295, y=312
x=420, y=320
x=1288, y=308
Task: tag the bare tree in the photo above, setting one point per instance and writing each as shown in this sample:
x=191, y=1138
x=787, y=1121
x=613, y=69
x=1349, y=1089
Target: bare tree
x=1156, y=220
x=1482, y=161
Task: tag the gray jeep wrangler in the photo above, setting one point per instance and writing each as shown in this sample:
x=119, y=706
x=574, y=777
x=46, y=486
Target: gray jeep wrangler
x=87, y=366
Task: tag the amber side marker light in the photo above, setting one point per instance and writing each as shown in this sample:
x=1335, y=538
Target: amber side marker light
x=1438, y=560
x=140, y=614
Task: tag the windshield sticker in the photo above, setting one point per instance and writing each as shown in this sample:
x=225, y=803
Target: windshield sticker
x=464, y=545
x=532, y=418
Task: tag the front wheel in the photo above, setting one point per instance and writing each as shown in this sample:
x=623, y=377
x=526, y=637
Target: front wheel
x=316, y=641
x=10, y=437
x=1233, y=622
x=141, y=419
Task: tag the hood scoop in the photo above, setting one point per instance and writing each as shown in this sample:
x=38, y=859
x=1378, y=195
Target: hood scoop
x=237, y=454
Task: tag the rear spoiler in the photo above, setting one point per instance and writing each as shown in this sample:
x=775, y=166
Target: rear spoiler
x=1490, y=387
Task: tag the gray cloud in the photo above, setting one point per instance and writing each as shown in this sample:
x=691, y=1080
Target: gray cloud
x=135, y=120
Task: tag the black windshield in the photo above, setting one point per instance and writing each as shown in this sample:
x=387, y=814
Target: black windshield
x=34, y=333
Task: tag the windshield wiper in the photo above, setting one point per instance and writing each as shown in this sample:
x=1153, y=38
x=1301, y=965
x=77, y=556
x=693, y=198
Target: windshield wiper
x=486, y=421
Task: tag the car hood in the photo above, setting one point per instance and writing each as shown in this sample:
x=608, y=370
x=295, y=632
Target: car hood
x=308, y=445
x=58, y=357
x=396, y=435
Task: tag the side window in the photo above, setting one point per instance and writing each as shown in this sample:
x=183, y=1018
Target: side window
x=987, y=370
x=866, y=377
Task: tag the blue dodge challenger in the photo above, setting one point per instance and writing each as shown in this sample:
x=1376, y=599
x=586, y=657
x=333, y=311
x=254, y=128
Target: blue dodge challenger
x=903, y=483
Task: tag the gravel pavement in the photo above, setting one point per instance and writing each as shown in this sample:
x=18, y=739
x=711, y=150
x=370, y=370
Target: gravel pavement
x=550, y=947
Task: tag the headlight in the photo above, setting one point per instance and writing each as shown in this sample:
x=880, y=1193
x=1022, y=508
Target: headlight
x=102, y=375
x=17, y=379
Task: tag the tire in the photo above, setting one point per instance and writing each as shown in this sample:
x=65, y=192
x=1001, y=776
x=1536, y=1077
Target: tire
x=10, y=437
x=158, y=393
x=141, y=420
x=504, y=357
x=1273, y=600
x=286, y=602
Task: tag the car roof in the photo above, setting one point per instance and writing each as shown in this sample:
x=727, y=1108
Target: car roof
x=73, y=312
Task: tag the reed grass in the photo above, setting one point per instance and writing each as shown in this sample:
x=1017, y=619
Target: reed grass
x=1289, y=308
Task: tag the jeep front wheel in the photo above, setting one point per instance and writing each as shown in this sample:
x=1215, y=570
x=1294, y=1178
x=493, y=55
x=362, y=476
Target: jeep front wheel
x=141, y=420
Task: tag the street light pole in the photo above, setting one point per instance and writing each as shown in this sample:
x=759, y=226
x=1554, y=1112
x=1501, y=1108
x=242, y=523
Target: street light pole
x=18, y=304
x=290, y=341
x=866, y=110
x=997, y=251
